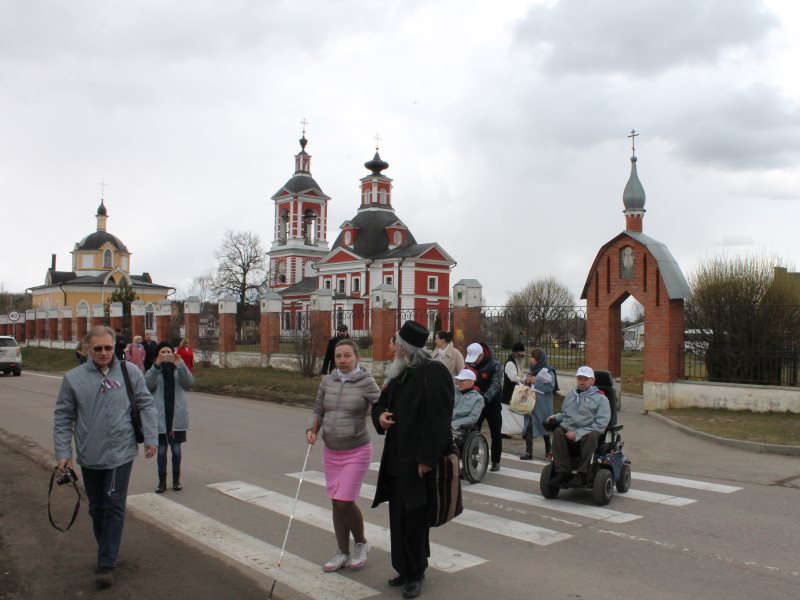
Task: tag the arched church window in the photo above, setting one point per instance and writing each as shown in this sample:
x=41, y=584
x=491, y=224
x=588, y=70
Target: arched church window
x=310, y=227
x=382, y=196
x=149, y=317
x=367, y=196
x=283, y=226
x=107, y=259
x=282, y=272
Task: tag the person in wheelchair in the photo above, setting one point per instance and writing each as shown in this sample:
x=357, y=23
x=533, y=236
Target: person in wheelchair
x=584, y=417
x=468, y=403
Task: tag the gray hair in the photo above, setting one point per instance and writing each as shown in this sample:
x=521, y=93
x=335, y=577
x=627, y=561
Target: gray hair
x=99, y=331
x=407, y=356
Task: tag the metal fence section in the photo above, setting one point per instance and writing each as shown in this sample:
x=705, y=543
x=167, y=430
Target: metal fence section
x=559, y=330
x=248, y=335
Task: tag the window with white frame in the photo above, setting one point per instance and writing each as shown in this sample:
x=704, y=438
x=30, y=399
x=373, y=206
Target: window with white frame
x=341, y=283
x=327, y=284
x=107, y=259
x=433, y=284
x=388, y=280
x=356, y=284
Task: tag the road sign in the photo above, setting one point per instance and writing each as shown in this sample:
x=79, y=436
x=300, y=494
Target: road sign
x=13, y=316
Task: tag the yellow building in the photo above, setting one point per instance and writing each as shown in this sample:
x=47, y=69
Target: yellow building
x=100, y=262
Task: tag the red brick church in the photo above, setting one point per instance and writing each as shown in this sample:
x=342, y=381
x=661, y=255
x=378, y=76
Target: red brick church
x=374, y=252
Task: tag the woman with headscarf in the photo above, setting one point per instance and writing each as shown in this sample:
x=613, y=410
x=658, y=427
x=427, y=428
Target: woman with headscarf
x=544, y=382
x=134, y=352
x=447, y=354
x=167, y=380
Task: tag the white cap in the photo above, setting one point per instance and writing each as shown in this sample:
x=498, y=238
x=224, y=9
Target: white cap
x=585, y=372
x=466, y=374
x=473, y=352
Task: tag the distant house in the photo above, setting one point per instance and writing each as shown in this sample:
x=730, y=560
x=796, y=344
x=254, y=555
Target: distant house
x=633, y=337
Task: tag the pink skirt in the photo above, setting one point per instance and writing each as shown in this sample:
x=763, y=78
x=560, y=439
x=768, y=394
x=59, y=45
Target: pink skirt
x=345, y=471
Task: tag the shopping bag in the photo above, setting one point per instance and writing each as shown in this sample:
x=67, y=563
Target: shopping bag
x=522, y=400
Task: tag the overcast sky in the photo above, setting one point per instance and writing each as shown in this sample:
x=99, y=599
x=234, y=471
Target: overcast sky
x=504, y=124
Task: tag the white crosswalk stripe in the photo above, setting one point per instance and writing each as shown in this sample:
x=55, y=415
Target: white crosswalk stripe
x=442, y=558
x=632, y=493
x=471, y=518
x=295, y=572
x=594, y=513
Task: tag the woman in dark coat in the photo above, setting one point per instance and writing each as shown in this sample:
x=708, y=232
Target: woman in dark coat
x=414, y=412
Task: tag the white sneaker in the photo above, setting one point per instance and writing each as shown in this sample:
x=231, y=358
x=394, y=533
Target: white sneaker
x=339, y=561
x=360, y=555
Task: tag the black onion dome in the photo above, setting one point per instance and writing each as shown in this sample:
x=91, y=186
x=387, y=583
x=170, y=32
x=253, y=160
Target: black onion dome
x=101, y=210
x=95, y=240
x=376, y=165
x=303, y=142
x=371, y=237
x=300, y=184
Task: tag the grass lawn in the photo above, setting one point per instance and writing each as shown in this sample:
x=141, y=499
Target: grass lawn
x=48, y=360
x=270, y=384
x=766, y=428
x=632, y=373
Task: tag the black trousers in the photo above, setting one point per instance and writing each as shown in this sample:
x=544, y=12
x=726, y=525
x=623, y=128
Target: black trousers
x=409, y=533
x=562, y=449
x=493, y=414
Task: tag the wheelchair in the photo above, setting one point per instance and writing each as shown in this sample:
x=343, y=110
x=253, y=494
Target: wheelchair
x=474, y=452
x=608, y=466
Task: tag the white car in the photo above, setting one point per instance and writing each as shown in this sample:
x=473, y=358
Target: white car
x=10, y=356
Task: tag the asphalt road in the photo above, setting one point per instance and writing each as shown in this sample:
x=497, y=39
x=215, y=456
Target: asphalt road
x=701, y=520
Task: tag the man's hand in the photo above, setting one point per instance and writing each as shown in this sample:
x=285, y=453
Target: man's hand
x=386, y=419
x=422, y=469
x=150, y=451
x=570, y=435
x=65, y=462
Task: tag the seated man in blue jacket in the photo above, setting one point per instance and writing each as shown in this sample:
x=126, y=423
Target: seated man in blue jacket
x=468, y=403
x=584, y=416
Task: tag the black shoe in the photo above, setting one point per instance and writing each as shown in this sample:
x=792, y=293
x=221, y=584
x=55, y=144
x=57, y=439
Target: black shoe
x=162, y=486
x=413, y=588
x=104, y=577
x=526, y=456
x=176, y=485
x=495, y=467
x=397, y=581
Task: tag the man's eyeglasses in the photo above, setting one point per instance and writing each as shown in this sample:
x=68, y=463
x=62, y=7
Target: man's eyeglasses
x=103, y=348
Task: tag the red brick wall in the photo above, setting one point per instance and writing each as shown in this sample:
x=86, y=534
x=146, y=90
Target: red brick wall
x=163, y=328
x=40, y=325
x=466, y=327
x=270, y=333
x=384, y=326
x=137, y=326
x=664, y=318
x=191, y=325
x=30, y=328
x=227, y=332
x=66, y=329
x=82, y=328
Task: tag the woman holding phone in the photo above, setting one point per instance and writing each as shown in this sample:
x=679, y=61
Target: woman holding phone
x=344, y=400
x=167, y=380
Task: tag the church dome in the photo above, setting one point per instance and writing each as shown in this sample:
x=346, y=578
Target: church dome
x=96, y=240
x=372, y=239
x=633, y=197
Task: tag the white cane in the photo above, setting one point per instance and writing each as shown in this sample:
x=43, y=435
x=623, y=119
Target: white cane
x=291, y=516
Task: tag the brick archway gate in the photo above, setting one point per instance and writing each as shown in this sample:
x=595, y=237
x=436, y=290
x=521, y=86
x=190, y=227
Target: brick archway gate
x=633, y=264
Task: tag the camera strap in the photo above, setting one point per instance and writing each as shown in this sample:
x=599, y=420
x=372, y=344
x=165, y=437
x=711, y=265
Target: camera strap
x=77, y=503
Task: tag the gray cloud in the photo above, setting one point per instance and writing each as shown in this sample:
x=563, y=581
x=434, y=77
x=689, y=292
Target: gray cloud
x=640, y=38
x=729, y=241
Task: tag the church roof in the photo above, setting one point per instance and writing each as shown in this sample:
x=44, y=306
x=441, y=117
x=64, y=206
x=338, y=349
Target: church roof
x=300, y=184
x=372, y=240
x=304, y=286
x=674, y=281
x=96, y=240
x=68, y=278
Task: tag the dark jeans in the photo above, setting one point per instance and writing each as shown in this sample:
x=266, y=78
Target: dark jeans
x=562, y=447
x=176, y=457
x=107, y=491
x=409, y=535
x=493, y=414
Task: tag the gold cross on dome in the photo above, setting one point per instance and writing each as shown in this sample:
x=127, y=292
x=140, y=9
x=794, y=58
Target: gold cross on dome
x=633, y=135
x=304, y=123
x=103, y=185
x=378, y=140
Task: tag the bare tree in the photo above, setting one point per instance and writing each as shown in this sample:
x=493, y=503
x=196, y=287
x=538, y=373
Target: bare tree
x=203, y=288
x=242, y=266
x=542, y=308
x=744, y=318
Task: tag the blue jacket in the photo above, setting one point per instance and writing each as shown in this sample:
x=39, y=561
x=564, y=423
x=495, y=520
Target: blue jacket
x=94, y=408
x=467, y=408
x=584, y=412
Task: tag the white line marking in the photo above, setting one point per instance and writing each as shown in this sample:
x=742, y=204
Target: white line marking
x=442, y=558
x=514, y=457
x=295, y=572
x=472, y=518
x=590, y=512
x=43, y=375
x=687, y=483
x=632, y=494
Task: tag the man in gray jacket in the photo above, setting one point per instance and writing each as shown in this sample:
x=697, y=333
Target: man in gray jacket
x=93, y=407
x=584, y=416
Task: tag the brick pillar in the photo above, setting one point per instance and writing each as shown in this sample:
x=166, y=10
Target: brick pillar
x=663, y=348
x=4, y=325
x=98, y=315
x=604, y=337
x=191, y=321
x=115, y=311
x=383, y=300
x=227, y=329
x=271, y=306
x=30, y=324
x=320, y=323
x=52, y=325
x=66, y=324
x=82, y=317
x=18, y=329
x=137, y=318
x=164, y=320
x=41, y=324
x=467, y=324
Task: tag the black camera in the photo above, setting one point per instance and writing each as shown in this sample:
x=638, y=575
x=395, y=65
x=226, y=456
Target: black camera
x=69, y=476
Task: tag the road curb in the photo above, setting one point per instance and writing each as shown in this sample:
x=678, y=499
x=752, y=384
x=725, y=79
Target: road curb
x=741, y=444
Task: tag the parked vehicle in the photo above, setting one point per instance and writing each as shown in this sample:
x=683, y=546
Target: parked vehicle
x=10, y=356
